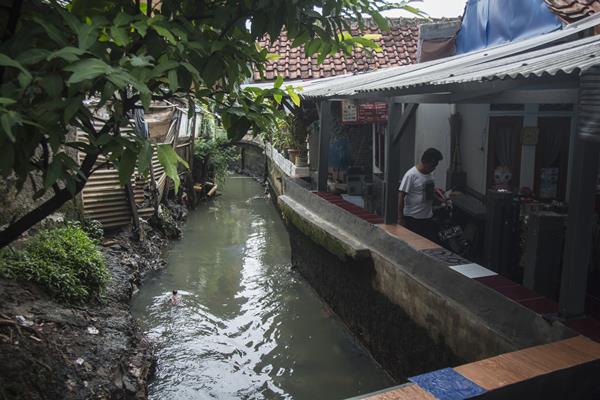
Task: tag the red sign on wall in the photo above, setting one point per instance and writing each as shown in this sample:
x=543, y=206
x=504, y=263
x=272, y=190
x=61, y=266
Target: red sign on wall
x=363, y=113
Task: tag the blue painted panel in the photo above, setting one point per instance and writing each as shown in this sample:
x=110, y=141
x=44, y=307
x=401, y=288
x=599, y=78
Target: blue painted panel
x=447, y=384
x=492, y=22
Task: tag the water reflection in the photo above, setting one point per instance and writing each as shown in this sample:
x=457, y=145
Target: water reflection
x=247, y=327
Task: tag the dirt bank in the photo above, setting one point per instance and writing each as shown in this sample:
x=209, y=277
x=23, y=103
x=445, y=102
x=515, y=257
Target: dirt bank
x=52, y=351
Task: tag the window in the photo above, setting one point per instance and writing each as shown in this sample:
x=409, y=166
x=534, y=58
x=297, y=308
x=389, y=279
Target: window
x=504, y=153
x=552, y=157
x=507, y=107
x=556, y=107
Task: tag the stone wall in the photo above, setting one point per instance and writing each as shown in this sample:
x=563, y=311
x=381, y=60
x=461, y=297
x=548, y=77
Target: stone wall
x=252, y=160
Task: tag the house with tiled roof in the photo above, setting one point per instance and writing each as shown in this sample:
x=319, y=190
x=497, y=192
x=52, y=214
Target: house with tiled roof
x=399, y=47
x=516, y=115
x=573, y=10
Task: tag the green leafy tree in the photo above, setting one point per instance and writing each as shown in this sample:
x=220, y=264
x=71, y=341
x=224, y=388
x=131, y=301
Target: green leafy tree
x=57, y=55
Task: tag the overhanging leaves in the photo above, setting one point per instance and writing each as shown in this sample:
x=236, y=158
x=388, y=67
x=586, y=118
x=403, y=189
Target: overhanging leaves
x=169, y=160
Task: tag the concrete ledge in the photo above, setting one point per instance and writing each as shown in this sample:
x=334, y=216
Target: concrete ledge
x=284, y=164
x=322, y=232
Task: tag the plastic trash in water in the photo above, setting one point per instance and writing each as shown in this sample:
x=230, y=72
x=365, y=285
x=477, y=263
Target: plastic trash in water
x=92, y=330
x=21, y=320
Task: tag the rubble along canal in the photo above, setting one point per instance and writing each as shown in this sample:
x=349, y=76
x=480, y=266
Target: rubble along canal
x=247, y=326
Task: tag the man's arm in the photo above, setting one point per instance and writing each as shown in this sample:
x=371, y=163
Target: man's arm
x=401, y=196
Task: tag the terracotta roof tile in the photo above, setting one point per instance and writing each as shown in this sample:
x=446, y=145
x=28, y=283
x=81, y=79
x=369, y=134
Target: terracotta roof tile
x=573, y=10
x=399, y=47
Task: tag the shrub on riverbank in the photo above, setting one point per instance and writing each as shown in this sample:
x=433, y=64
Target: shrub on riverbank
x=216, y=155
x=63, y=260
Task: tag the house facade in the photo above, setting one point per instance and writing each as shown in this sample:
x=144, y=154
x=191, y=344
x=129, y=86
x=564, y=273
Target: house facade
x=511, y=117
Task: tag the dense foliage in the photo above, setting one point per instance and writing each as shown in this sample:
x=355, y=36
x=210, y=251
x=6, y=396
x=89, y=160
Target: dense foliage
x=216, y=155
x=64, y=261
x=58, y=55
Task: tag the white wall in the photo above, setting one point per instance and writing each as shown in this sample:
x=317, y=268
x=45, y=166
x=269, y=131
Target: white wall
x=433, y=130
x=473, y=143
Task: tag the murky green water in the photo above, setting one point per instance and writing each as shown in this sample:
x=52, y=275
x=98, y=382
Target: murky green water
x=247, y=326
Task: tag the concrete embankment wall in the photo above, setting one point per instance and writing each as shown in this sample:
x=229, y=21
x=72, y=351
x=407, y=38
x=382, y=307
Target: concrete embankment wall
x=412, y=311
x=252, y=160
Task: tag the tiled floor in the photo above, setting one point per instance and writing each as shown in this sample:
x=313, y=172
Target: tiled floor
x=589, y=327
x=447, y=384
x=351, y=208
x=446, y=256
x=518, y=366
x=495, y=281
x=541, y=305
x=413, y=240
x=407, y=392
x=496, y=372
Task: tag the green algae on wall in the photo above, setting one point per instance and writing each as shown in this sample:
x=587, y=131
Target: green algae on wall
x=334, y=245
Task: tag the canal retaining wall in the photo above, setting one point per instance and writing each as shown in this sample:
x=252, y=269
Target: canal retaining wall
x=252, y=160
x=412, y=311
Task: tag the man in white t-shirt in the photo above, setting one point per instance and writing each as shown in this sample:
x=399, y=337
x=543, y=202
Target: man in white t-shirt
x=416, y=193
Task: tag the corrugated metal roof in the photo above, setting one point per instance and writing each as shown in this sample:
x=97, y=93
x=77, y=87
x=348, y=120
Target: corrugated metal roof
x=536, y=56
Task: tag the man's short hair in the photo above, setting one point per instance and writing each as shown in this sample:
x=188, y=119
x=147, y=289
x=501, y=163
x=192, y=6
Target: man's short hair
x=431, y=156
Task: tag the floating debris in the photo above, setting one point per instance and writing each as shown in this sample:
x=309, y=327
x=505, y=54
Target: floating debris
x=21, y=320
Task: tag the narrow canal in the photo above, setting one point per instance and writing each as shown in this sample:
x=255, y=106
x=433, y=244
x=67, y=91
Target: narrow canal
x=247, y=326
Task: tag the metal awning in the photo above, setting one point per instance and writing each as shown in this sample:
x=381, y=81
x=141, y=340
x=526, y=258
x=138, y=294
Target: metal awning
x=555, y=54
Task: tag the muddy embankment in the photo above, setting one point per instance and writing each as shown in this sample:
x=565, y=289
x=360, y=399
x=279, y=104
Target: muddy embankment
x=50, y=350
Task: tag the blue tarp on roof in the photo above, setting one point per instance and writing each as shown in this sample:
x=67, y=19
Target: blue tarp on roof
x=492, y=22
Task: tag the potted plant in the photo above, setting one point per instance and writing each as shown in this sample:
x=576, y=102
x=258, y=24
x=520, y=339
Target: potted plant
x=302, y=159
x=293, y=154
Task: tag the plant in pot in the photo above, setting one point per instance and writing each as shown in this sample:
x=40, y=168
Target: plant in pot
x=281, y=139
x=302, y=159
x=298, y=134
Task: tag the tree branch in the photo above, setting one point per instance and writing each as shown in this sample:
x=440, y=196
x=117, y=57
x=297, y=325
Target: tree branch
x=15, y=229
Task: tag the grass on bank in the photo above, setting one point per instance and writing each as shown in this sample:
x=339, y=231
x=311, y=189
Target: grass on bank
x=63, y=260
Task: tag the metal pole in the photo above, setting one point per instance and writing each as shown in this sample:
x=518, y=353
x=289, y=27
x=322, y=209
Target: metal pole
x=399, y=119
x=392, y=164
x=326, y=121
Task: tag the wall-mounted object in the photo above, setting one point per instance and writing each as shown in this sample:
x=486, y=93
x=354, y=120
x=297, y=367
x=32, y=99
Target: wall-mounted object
x=530, y=135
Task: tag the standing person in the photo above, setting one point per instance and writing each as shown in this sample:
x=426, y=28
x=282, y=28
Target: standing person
x=416, y=193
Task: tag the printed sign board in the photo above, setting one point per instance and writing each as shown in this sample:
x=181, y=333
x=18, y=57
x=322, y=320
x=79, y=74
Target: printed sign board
x=363, y=113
